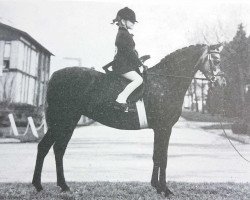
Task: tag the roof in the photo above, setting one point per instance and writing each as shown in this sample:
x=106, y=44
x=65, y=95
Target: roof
x=26, y=36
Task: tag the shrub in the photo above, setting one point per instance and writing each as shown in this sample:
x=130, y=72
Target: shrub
x=239, y=127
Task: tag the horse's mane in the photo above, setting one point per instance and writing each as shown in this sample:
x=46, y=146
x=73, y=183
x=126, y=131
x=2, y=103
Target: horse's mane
x=180, y=58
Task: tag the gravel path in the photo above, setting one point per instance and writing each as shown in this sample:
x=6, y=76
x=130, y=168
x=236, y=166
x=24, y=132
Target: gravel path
x=99, y=153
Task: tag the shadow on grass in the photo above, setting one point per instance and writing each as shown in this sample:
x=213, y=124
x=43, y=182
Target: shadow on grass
x=206, y=117
x=126, y=190
x=217, y=126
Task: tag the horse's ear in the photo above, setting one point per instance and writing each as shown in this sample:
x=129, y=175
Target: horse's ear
x=220, y=47
x=216, y=47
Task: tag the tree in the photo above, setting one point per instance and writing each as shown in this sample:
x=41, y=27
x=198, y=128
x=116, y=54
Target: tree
x=234, y=64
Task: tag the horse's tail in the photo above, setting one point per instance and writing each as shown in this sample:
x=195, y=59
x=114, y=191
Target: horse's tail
x=46, y=105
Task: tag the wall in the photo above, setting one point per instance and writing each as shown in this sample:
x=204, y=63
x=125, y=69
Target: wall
x=42, y=77
x=7, y=87
x=30, y=84
x=27, y=63
x=28, y=71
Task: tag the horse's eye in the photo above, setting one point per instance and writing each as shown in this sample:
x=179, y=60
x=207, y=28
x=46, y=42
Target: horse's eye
x=215, y=56
x=216, y=61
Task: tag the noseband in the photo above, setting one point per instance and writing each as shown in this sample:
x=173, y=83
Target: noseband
x=211, y=58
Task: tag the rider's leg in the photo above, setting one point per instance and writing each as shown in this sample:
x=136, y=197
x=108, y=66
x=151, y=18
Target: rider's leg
x=136, y=81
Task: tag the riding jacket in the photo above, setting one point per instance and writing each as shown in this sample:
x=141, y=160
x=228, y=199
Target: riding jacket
x=126, y=58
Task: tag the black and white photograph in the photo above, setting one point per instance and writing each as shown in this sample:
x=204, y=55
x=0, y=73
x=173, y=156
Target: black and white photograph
x=125, y=99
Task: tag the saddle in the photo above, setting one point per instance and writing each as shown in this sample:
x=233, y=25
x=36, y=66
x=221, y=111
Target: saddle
x=138, y=93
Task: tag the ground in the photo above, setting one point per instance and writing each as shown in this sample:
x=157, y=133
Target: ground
x=127, y=191
x=99, y=153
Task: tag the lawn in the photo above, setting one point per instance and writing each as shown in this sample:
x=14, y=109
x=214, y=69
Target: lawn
x=127, y=190
x=204, y=117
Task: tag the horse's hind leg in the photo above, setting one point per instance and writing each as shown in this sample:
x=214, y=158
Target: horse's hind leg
x=43, y=149
x=59, y=150
x=64, y=132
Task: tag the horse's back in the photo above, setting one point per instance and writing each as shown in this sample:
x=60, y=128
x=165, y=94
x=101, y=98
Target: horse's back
x=69, y=84
x=75, y=87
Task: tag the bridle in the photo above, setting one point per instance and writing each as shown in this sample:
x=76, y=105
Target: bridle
x=213, y=61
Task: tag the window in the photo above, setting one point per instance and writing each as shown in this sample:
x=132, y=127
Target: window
x=7, y=50
x=6, y=64
x=6, y=55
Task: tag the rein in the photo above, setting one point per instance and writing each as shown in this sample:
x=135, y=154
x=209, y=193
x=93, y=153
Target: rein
x=211, y=63
x=229, y=140
x=176, y=76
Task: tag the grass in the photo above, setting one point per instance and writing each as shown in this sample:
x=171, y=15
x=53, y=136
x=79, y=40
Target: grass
x=206, y=117
x=126, y=190
x=217, y=126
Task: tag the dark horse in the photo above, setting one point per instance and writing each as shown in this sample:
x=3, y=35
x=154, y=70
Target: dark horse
x=77, y=91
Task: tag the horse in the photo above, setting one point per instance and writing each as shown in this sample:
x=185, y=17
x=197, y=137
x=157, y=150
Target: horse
x=76, y=91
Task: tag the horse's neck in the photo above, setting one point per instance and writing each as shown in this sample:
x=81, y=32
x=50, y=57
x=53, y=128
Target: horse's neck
x=178, y=70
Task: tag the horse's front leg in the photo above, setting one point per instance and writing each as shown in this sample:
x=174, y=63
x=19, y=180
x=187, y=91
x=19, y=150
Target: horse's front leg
x=161, y=142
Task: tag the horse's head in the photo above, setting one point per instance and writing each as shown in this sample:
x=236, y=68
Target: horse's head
x=209, y=64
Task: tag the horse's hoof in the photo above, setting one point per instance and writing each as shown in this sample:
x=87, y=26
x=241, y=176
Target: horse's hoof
x=154, y=184
x=157, y=187
x=168, y=193
x=65, y=188
x=158, y=191
x=38, y=186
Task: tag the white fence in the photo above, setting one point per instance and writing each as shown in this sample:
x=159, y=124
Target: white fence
x=31, y=133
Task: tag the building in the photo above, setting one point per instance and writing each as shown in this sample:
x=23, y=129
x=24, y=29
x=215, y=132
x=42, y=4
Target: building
x=24, y=67
x=196, y=95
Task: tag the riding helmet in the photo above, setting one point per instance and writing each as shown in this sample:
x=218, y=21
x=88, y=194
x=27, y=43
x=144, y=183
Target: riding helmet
x=126, y=14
